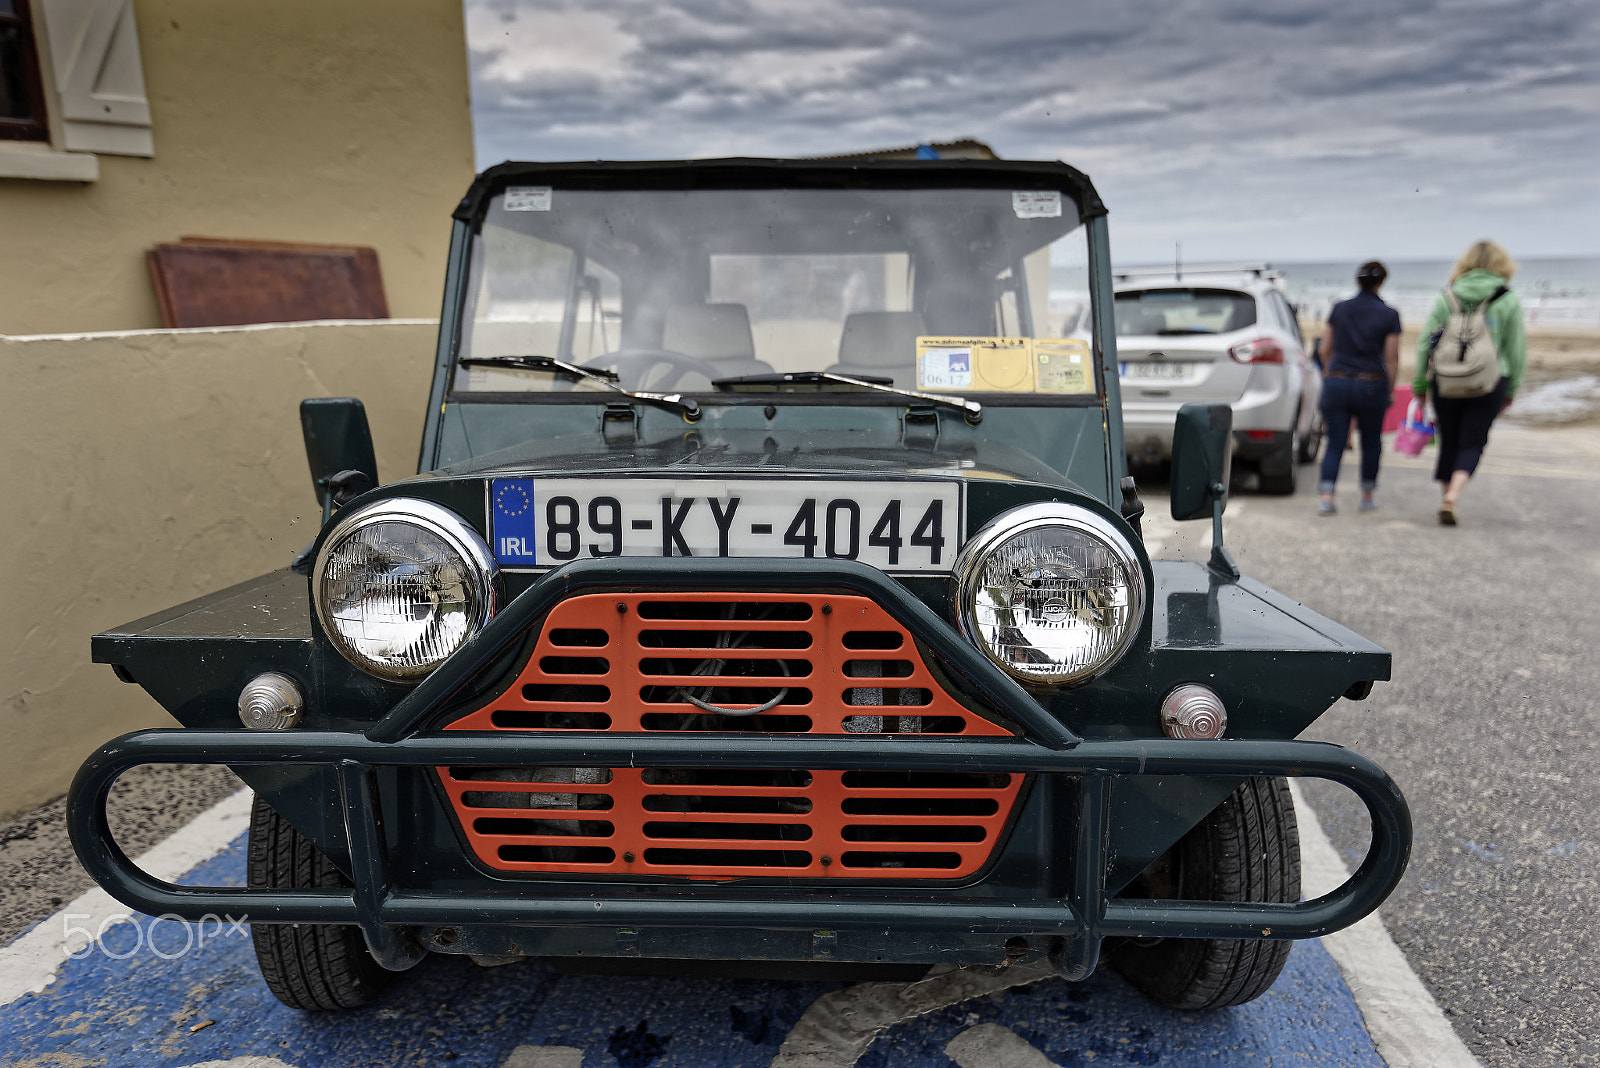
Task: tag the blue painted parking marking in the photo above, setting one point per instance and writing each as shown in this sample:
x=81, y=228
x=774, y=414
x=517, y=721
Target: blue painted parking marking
x=173, y=995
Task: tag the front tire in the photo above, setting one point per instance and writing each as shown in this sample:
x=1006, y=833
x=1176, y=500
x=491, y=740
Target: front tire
x=1311, y=444
x=1247, y=849
x=310, y=966
x=1285, y=462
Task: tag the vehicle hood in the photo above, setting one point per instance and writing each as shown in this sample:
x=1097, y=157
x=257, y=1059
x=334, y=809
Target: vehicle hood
x=833, y=451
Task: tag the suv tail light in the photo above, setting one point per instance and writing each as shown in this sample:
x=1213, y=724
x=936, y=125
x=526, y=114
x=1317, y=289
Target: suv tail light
x=1261, y=350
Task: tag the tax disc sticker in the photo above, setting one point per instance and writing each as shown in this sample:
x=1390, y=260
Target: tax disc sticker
x=945, y=369
x=535, y=198
x=1037, y=204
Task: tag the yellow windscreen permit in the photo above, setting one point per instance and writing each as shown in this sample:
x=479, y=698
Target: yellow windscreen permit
x=975, y=364
x=1062, y=365
x=1004, y=365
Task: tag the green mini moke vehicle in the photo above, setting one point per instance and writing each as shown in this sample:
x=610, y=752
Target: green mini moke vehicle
x=770, y=590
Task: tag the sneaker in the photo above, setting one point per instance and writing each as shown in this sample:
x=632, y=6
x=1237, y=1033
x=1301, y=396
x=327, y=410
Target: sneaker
x=1327, y=508
x=1447, y=514
x=1368, y=504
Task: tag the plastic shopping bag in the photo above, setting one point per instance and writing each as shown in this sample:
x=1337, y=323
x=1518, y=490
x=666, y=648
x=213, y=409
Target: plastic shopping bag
x=1416, y=431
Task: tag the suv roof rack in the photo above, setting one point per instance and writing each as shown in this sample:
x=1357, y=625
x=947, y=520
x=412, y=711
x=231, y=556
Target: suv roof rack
x=1259, y=270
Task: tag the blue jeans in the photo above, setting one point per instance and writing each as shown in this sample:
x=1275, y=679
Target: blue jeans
x=1344, y=400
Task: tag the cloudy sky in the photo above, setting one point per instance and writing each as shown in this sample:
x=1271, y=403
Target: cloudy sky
x=1277, y=129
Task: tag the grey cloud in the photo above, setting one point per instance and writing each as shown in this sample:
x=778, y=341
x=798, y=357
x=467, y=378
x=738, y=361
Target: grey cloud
x=1182, y=112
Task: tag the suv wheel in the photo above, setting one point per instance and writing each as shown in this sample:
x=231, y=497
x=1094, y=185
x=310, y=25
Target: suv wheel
x=1247, y=849
x=1285, y=461
x=1312, y=443
x=308, y=966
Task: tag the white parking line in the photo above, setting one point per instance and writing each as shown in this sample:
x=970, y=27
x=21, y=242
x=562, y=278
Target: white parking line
x=1405, y=1023
x=29, y=964
x=544, y=1057
x=1160, y=528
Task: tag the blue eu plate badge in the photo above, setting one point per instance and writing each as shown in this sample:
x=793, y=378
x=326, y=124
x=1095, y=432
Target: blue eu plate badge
x=516, y=539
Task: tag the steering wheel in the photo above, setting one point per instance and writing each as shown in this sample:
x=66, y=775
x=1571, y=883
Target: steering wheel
x=634, y=367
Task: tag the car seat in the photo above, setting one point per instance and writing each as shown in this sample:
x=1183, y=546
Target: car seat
x=882, y=344
x=717, y=333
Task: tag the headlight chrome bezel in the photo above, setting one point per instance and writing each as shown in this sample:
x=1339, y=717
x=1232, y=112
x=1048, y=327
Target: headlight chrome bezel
x=1024, y=519
x=457, y=534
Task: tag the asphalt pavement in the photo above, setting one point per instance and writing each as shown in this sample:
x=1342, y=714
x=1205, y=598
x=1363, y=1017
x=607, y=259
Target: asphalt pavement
x=38, y=871
x=1491, y=724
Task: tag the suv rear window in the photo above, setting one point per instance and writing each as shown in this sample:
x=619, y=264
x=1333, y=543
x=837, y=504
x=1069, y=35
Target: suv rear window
x=1184, y=311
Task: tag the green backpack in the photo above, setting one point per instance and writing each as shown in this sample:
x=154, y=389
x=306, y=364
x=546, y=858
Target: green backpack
x=1463, y=360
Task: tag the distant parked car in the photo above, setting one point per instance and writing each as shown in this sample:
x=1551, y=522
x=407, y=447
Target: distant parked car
x=1218, y=335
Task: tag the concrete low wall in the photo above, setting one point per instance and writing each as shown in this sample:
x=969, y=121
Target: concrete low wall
x=143, y=469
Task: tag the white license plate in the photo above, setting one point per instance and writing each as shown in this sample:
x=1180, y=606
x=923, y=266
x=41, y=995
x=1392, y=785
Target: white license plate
x=1167, y=371
x=900, y=527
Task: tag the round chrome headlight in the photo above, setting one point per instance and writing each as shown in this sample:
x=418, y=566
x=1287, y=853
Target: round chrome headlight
x=1051, y=593
x=401, y=584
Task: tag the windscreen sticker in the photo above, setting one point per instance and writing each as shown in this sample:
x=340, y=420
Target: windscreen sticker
x=533, y=198
x=945, y=369
x=1004, y=364
x=1062, y=365
x=1037, y=204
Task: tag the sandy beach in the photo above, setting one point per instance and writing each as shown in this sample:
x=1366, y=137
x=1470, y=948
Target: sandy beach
x=1561, y=384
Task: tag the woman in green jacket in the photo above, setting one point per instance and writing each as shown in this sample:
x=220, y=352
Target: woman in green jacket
x=1464, y=422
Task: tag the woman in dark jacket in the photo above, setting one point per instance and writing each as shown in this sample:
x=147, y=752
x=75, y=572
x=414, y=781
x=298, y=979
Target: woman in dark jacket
x=1464, y=423
x=1361, y=354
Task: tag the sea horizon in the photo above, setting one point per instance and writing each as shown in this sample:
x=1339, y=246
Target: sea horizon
x=1559, y=291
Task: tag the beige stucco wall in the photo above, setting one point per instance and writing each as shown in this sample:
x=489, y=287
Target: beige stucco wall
x=145, y=469
x=297, y=120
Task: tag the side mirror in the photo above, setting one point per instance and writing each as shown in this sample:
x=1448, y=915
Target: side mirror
x=338, y=449
x=1202, y=462
x=1202, y=458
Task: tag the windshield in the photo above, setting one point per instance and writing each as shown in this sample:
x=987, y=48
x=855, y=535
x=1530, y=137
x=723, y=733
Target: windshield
x=1183, y=311
x=965, y=291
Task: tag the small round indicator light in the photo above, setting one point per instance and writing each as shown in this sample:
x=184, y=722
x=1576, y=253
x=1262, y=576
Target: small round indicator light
x=1193, y=711
x=271, y=702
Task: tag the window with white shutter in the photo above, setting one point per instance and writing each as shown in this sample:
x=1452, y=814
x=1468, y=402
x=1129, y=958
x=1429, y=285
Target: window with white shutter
x=99, y=80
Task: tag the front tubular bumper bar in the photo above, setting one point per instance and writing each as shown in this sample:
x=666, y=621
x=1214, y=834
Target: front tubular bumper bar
x=1076, y=924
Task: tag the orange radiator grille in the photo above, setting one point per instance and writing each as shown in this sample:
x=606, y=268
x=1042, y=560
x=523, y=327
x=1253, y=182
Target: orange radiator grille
x=768, y=663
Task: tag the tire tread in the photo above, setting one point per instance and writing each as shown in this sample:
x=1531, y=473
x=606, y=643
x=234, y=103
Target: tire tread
x=310, y=966
x=1249, y=847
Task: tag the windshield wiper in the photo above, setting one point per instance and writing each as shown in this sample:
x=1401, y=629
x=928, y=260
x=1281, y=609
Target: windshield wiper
x=540, y=363
x=608, y=379
x=971, y=409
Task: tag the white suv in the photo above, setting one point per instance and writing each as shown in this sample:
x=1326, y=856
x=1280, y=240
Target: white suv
x=1218, y=334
